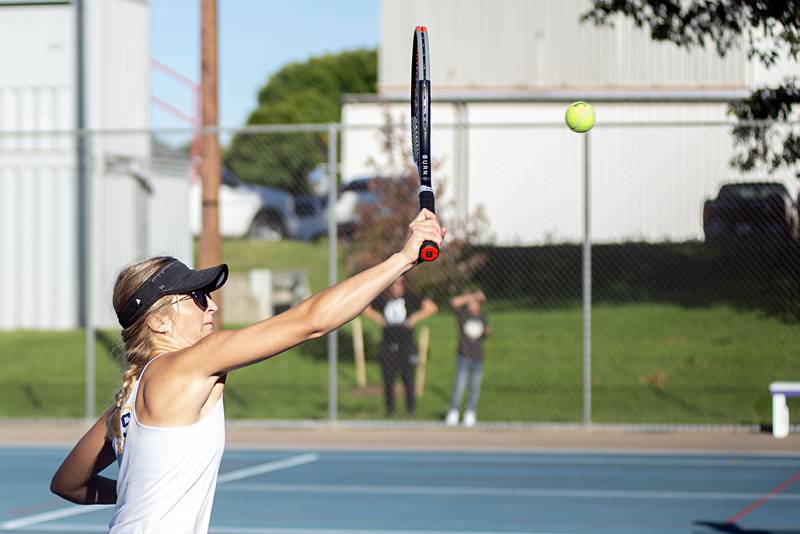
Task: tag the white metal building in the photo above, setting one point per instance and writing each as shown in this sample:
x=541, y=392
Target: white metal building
x=39, y=235
x=502, y=76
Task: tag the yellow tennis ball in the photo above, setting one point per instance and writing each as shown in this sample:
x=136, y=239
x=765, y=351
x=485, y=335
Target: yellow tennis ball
x=580, y=117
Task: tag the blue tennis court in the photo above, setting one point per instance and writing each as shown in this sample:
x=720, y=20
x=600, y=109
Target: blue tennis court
x=332, y=492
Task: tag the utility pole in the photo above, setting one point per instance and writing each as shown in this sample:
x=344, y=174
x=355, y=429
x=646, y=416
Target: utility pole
x=210, y=252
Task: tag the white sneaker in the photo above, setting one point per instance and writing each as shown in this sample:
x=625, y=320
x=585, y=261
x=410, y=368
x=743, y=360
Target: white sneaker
x=469, y=418
x=452, y=418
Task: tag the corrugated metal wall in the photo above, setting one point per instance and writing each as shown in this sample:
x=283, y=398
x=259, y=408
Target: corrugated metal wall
x=540, y=44
x=37, y=236
x=38, y=66
x=38, y=223
x=37, y=183
x=119, y=63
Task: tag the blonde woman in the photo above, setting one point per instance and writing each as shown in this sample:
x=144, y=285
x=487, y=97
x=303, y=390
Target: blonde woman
x=166, y=428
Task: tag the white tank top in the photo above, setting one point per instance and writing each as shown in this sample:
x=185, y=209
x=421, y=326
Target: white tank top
x=167, y=475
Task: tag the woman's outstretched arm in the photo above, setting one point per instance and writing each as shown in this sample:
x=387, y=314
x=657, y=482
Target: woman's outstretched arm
x=323, y=312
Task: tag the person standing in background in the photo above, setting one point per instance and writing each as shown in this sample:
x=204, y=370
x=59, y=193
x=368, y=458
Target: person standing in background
x=473, y=329
x=397, y=310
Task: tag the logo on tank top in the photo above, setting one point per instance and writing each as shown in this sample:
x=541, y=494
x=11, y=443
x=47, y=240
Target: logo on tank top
x=124, y=423
x=473, y=328
x=395, y=311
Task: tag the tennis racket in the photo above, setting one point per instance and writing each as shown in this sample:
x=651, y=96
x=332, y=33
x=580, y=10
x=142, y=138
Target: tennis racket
x=421, y=129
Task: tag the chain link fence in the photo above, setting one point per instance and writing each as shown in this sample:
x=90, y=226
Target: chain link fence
x=694, y=290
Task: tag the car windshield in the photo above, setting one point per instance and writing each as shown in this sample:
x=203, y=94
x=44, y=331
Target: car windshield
x=356, y=185
x=752, y=191
x=230, y=178
x=304, y=206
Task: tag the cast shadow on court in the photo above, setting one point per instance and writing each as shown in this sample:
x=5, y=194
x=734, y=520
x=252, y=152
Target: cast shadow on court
x=735, y=529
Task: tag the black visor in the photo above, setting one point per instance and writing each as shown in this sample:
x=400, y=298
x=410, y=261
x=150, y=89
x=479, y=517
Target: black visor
x=173, y=279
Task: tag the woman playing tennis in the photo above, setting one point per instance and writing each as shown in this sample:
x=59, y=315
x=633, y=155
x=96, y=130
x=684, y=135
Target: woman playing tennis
x=166, y=428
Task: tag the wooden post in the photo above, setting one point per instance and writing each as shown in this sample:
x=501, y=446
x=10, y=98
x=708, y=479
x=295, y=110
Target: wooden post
x=210, y=252
x=358, y=353
x=424, y=339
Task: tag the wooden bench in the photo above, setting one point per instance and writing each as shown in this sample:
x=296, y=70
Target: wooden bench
x=780, y=410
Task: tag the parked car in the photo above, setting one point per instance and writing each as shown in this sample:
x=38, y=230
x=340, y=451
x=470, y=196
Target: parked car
x=352, y=197
x=751, y=210
x=258, y=211
x=311, y=213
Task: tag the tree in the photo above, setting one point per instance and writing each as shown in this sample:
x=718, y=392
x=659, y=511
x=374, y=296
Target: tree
x=299, y=93
x=767, y=29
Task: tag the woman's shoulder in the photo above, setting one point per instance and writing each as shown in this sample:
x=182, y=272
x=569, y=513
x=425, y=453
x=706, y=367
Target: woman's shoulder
x=155, y=363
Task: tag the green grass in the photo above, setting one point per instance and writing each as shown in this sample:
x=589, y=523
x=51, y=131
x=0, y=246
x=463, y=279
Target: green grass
x=243, y=255
x=42, y=374
x=680, y=335
x=652, y=363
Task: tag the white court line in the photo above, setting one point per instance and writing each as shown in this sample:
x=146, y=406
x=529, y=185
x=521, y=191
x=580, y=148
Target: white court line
x=560, y=460
x=267, y=468
x=49, y=516
x=238, y=474
x=25, y=453
x=67, y=527
x=256, y=530
x=94, y=527
x=445, y=491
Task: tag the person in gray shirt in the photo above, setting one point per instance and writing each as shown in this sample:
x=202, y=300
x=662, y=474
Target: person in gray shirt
x=473, y=329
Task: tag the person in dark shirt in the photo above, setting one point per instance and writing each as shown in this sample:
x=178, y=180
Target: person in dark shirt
x=473, y=329
x=397, y=311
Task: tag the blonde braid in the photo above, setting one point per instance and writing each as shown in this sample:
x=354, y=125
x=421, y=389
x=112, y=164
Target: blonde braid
x=134, y=357
x=137, y=339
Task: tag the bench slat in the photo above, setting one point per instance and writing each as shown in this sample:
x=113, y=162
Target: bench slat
x=790, y=389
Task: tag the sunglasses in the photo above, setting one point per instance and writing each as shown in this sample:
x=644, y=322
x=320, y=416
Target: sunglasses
x=199, y=297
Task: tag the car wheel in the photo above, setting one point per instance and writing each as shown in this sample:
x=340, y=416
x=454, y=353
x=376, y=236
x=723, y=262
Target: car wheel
x=266, y=226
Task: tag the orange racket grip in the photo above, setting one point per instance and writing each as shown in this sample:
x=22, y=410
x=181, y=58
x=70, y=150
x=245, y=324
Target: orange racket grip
x=429, y=251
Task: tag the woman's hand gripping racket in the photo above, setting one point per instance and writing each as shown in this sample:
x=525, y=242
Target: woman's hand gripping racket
x=421, y=129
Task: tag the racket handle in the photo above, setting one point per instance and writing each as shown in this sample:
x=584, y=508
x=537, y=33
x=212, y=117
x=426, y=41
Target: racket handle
x=426, y=201
x=429, y=251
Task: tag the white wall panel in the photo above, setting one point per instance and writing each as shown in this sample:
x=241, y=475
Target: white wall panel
x=121, y=66
x=169, y=212
x=37, y=44
x=63, y=249
x=38, y=266
x=36, y=170
x=514, y=45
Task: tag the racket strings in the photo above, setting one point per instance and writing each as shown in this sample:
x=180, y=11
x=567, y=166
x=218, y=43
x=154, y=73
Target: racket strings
x=415, y=138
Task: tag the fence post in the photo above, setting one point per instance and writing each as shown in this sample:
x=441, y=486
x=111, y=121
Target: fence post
x=84, y=205
x=332, y=337
x=460, y=148
x=587, y=284
x=86, y=208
